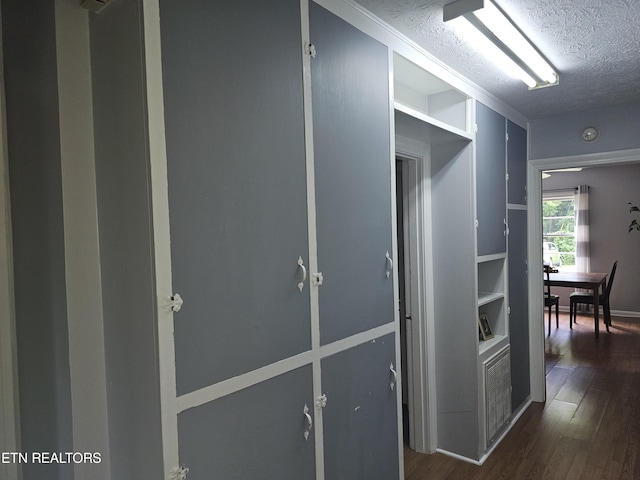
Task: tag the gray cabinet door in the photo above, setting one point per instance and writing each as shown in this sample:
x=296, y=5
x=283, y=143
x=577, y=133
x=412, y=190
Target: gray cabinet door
x=360, y=423
x=519, y=307
x=237, y=184
x=256, y=433
x=491, y=185
x=350, y=93
x=517, y=163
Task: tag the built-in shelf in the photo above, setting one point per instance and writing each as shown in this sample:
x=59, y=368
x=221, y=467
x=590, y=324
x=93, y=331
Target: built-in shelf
x=496, y=342
x=491, y=282
x=485, y=298
x=424, y=96
x=411, y=123
x=491, y=298
x=490, y=258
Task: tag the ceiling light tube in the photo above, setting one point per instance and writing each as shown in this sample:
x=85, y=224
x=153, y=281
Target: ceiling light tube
x=498, y=28
x=498, y=56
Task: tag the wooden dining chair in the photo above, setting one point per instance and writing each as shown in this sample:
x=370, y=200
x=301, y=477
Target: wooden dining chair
x=550, y=299
x=587, y=299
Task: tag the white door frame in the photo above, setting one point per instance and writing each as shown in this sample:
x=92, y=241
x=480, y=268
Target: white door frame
x=420, y=330
x=83, y=277
x=534, y=189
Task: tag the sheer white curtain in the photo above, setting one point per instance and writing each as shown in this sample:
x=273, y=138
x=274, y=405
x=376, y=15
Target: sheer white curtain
x=581, y=207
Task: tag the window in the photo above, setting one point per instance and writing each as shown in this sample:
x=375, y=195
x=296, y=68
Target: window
x=558, y=230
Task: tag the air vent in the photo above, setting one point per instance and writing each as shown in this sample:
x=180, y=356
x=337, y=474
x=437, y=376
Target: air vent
x=497, y=380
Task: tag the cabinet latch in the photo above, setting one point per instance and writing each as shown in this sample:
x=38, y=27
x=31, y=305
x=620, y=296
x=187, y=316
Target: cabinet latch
x=310, y=49
x=321, y=401
x=317, y=279
x=178, y=473
x=173, y=303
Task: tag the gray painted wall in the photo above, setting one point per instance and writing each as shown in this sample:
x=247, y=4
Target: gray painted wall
x=562, y=135
x=28, y=32
x=29, y=49
x=611, y=188
x=126, y=240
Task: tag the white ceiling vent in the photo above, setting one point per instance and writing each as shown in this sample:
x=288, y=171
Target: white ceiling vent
x=95, y=6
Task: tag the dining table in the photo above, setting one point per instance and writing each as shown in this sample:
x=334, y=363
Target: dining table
x=586, y=280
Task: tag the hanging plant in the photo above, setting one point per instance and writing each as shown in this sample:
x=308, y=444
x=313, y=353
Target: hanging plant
x=634, y=225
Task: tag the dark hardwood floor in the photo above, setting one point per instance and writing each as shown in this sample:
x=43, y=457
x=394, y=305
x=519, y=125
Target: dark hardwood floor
x=589, y=427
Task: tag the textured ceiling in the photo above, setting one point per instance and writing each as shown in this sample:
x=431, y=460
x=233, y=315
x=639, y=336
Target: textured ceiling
x=594, y=45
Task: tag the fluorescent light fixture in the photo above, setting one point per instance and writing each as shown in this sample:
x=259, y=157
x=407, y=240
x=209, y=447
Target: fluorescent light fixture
x=532, y=68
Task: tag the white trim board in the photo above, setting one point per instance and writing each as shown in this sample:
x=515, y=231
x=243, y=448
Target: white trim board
x=312, y=235
x=512, y=421
x=394, y=251
x=87, y=363
x=240, y=382
x=162, y=247
x=614, y=313
x=422, y=386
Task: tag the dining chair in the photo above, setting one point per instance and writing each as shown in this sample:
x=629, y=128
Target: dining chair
x=587, y=298
x=550, y=299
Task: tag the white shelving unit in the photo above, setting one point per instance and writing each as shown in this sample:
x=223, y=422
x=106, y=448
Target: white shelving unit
x=432, y=112
x=491, y=300
x=428, y=98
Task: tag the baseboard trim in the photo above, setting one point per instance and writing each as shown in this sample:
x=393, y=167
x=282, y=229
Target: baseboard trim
x=622, y=313
x=458, y=457
x=514, y=418
x=614, y=313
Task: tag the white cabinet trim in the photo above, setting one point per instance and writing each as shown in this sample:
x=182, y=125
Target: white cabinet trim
x=162, y=248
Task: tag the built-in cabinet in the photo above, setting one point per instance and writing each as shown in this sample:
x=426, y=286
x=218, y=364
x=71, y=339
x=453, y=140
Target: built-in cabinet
x=518, y=308
x=274, y=247
x=352, y=170
x=493, y=261
x=466, y=170
x=491, y=185
x=234, y=235
x=518, y=268
x=355, y=255
x=491, y=225
x=301, y=228
x=516, y=165
x=244, y=194
x=279, y=207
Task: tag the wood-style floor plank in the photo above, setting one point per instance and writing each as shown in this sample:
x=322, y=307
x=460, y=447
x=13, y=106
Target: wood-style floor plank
x=589, y=427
